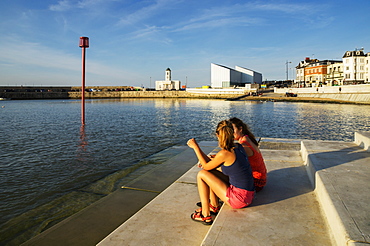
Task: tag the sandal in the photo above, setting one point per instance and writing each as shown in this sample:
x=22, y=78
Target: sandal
x=198, y=217
x=214, y=210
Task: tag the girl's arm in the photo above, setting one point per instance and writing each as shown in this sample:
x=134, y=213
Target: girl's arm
x=202, y=157
x=243, y=141
x=207, y=163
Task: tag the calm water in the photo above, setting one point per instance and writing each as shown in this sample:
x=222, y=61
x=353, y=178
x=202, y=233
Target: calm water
x=47, y=159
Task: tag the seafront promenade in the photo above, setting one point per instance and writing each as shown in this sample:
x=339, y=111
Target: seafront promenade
x=317, y=194
x=349, y=94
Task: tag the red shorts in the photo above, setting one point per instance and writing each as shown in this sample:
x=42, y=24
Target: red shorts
x=239, y=198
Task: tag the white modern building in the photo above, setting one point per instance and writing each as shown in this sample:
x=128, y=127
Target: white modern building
x=223, y=77
x=168, y=83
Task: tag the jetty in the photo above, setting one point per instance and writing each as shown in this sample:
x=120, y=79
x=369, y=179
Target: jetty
x=318, y=193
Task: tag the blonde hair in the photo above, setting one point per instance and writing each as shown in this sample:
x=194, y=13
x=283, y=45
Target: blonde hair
x=225, y=133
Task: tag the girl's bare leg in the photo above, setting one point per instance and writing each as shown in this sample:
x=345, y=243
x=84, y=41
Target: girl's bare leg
x=208, y=181
x=213, y=199
x=212, y=196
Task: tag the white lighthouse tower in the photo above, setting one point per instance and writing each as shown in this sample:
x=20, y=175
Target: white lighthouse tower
x=168, y=74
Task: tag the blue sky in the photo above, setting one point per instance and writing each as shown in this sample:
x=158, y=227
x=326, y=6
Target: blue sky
x=132, y=42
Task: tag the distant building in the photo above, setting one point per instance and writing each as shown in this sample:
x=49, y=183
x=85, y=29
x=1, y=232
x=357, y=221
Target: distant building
x=354, y=66
x=223, y=77
x=313, y=72
x=334, y=74
x=168, y=83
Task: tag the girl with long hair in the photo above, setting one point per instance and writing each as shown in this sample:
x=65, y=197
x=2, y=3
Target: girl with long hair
x=238, y=192
x=250, y=144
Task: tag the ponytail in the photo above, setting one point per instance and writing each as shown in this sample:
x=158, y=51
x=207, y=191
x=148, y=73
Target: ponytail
x=225, y=133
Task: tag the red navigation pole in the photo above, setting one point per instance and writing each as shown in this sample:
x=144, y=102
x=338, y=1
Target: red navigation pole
x=84, y=43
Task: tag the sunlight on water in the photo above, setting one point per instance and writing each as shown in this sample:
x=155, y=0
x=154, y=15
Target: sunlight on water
x=51, y=167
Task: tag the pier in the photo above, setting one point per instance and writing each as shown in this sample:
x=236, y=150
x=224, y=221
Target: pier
x=318, y=193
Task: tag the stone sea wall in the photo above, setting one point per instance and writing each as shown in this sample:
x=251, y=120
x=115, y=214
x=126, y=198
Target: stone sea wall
x=349, y=94
x=19, y=93
x=149, y=94
x=347, y=97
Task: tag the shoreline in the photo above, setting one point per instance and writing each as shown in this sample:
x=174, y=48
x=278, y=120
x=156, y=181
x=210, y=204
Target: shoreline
x=301, y=99
x=272, y=97
x=109, y=92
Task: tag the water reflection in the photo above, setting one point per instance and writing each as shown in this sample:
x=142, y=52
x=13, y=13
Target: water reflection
x=44, y=146
x=82, y=150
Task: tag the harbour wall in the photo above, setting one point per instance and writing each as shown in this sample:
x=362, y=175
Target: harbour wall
x=346, y=93
x=350, y=94
x=19, y=93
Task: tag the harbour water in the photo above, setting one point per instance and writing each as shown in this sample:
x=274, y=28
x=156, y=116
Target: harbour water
x=51, y=167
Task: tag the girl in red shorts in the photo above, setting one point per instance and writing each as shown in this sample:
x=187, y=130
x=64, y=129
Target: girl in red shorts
x=238, y=192
x=250, y=144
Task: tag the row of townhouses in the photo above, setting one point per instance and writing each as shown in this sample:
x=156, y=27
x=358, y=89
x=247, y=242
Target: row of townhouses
x=354, y=68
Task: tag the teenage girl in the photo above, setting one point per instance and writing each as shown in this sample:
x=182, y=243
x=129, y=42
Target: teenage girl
x=239, y=191
x=250, y=144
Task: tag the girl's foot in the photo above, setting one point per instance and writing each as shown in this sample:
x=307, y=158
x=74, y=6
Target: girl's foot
x=198, y=217
x=214, y=209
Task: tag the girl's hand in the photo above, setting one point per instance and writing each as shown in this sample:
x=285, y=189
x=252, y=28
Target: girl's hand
x=192, y=143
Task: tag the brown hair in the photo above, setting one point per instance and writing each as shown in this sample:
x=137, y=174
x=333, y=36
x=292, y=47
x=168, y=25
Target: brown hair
x=225, y=132
x=245, y=129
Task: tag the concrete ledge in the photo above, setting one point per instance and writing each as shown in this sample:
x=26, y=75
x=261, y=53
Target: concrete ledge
x=285, y=212
x=94, y=223
x=166, y=219
x=362, y=139
x=339, y=173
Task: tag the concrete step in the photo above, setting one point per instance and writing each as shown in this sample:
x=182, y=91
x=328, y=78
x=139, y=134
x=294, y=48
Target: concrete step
x=362, y=139
x=94, y=223
x=286, y=212
x=339, y=173
x=166, y=219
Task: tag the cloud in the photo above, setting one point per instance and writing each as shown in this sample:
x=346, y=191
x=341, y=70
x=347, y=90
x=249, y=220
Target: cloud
x=219, y=22
x=146, y=12
x=287, y=8
x=36, y=55
x=241, y=15
x=65, y=5
x=151, y=33
x=61, y=6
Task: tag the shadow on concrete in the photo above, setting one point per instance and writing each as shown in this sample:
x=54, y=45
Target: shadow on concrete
x=290, y=182
x=325, y=160
x=283, y=184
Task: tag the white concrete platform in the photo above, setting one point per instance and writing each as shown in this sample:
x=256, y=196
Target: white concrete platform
x=286, y=212
x=340, y=173
x=166, y=220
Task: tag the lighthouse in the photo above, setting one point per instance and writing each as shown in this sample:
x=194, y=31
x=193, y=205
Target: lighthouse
x=167, y=84
x=168, y=74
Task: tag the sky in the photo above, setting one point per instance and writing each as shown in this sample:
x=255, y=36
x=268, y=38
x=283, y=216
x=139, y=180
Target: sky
x=133, y=42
